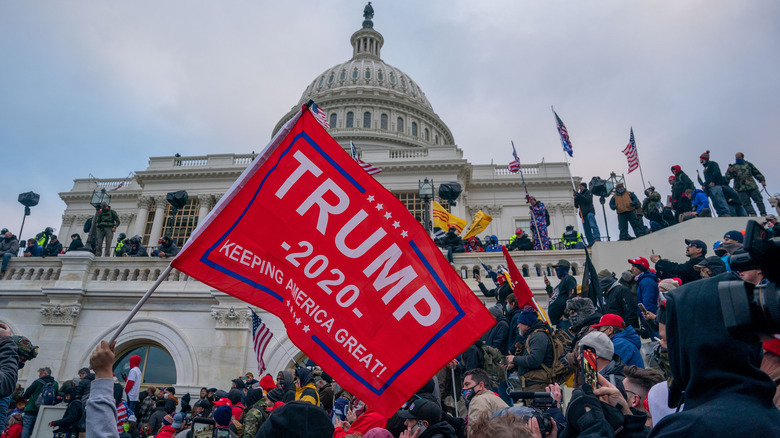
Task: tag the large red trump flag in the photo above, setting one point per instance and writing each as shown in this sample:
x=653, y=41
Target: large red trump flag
x=306, y=234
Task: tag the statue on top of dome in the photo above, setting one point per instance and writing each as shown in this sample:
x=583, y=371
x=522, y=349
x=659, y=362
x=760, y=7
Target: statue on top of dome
x=368, y=11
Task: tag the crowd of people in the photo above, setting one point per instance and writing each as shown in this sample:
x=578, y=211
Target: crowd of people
x=622, y=386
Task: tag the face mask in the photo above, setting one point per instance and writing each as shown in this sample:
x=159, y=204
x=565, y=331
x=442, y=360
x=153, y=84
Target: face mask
x=620, y=190
x=574, y=319
x=561, y=272
x=740, y=160
x=468, y=394
x=165, y=396
x=731, y=247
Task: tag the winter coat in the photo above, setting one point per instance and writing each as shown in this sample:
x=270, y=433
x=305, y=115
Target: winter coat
x=699, y=200
x=52, y=249
x=70, y=420
x=169, y=250
x=493, y=245
x=513, y=317
x=155, y=421
x=500, y=292
x=287, y=385
x=307, y=391
x=718, y=374
x=369, y=420
x=744, y=176
x=683, y=271
x=451, y=240
x=562, y=292
x=75, y=245
x=14, y=431
x=166, y=432
x=619, y=300
x=10, y=246
x=472, y=357
x=647, y=292
x=441, y=429
x=624, y=202
x=650, y=207
x=539, y=351
x=731, y=195
x=107, y=219
x=9, y=366
x=584, y=201
x=82, y=391
x=627, y=344
x=136, y=251
x=498, y=336
x=487, y=403
x=522, y=243
x=712, y=174
x=34, y=251
x=682, y=182
x=32, y=392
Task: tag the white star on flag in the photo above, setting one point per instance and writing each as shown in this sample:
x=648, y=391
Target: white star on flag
x=306, y=329
x=396, y=224
x=388, y=215
x=379, y=207
x=370, y=198
x=297, y=321
x=404, y=233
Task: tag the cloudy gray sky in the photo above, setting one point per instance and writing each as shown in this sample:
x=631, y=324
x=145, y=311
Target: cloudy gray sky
x=98, y=87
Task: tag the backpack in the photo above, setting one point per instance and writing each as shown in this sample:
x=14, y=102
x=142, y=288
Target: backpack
x=493, y=358
x=47, y=396
x=558, y=373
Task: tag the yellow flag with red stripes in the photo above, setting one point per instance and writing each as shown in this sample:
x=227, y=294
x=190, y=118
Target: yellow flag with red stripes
x=444, y=220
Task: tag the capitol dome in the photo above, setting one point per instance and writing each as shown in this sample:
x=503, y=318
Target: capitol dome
x=373, y=103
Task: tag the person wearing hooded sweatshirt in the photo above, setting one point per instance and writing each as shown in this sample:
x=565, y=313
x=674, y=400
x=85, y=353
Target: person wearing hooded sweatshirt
x=133, y=382
x=624, y=338
x=718, y=376
x=493, y=245
x=472, y=245
x=680, y=184
x=256, y=413
x=75, y=243
x=626, y=203
x=306, y=390
x=647, y=288
x=582, y=314
x=562, y=292
x=286, y=382
x=618, y=298
x=699, y=201
x=498, y=335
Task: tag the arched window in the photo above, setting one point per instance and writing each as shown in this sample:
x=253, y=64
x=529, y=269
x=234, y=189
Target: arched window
x=366, y=120
x=350, y=119
x=333, y=120
x=399, y=125
x=383, y=122
x=157, y=366
x=368, y=74
x=427, y=135
x=414, y=129
x=354, y=74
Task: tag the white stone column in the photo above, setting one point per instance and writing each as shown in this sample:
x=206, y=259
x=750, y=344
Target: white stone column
x=143, y=213
x=205, y=202
x=159, y=212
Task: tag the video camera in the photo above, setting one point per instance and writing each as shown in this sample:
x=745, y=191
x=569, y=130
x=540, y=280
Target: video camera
x=536, y=408
x=749, y=310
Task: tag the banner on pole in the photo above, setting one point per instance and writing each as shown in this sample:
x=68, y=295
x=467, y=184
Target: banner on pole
x=481, y=221
x=444, y=219
x=309, y=236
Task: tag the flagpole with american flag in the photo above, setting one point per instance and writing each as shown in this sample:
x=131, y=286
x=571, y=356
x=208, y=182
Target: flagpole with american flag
x=568, y=150
x=632, y=155
x=261, y=335
x=370, y=169
x=514, y=166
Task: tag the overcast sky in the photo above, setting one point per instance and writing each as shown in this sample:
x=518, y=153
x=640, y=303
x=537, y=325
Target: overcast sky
x=99, y=87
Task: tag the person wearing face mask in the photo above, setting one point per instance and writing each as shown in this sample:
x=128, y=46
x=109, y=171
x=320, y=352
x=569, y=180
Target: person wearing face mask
x=536, y=360
x=626, y=204
x=733, y=241
x=721, y=252
x=563, y=291
x=745, y=174
x=480, y=400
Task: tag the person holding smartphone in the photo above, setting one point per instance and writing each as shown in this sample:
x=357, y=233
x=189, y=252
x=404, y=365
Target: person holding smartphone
x=423, y=419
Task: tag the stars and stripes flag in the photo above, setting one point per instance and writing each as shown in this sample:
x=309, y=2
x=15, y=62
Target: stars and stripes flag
x=370, y=169
x=319, y=114
x=514, y=166
x=261, y=335
x=565, y=141
x=631, y=154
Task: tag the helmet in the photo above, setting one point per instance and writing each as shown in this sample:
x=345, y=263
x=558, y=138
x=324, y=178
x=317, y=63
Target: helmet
x=122, y=236
x=135, y=239
x=25, y=348
x=48, y=230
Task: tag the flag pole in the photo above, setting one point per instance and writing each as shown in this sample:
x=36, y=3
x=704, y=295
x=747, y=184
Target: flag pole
x=277, y=341
x=533, y=219
x=454, y=393
x=565, y=155
x=141, y=302
x=638, y=161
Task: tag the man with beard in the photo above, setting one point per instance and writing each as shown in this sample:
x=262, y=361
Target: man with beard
x=695, y=250
x=423, y=419
x=562, y=292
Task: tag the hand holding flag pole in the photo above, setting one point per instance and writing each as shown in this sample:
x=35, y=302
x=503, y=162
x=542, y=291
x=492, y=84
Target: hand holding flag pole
x=527, y=197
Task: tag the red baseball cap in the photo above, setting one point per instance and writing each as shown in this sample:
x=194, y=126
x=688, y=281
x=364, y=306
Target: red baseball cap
x=641, y=261
x=610, y=320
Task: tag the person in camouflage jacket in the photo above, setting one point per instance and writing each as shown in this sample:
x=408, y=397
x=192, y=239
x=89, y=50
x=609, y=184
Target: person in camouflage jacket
x=745, y=174
x=256, y=414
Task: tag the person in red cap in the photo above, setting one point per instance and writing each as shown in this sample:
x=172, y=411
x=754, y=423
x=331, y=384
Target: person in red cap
x=680, y=184
x=520, y=241
x=624, y=338
x=647, y=286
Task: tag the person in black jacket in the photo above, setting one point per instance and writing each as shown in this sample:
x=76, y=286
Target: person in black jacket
x=713, y=184
x=423, y=419
x=498, y=335
x=9, y=363
x=501, y=292
x=716, y=375
x=75, y=243
x=135, y=248
x=584, y=201
x=695, y=250
x=618, y=298
x=155, y=421
x=86, y=379
x=562, y=292
x=53, y=248
x=68, y=424
x=452, y=243
x=520, y=241
x=537, y=354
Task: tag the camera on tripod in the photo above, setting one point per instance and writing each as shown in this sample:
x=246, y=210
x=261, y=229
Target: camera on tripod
x=752, y=311
x=536, y=405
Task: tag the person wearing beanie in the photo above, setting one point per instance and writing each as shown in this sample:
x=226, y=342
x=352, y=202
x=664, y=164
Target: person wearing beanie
x=256, y=414
x=713, y=184
x=538, y=351
x=223, y=417
x=297, y=419
x=618, y=298
x=624, y=338
x=647, y=288
x=498, y=335
x=695, y=250
x=267, y=383
x=745, y=174
x=733, y=241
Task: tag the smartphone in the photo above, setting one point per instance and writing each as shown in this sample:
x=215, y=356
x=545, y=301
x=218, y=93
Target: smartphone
x=642, y=307
x=589, y=367
x=202, y=427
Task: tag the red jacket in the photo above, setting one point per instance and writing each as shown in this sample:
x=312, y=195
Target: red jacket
x=166, y=432
x=14, y=431
x=369, y=420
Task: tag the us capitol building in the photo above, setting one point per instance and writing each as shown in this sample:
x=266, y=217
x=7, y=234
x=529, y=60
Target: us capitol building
x=190, y=335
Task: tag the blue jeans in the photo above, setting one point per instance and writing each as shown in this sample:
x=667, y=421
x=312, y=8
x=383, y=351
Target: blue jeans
x=6, y=257
x=28, y=423
x=4, y=402
x=591, y=229
x=503, y=392
x=737, y=211
x=719, y=200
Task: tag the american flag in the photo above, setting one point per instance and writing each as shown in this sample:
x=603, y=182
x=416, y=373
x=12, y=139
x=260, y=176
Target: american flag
x=319, y=114
x=514, y=166
x=564, y=135
x=370, y=169
x=261, y=335
x=631, y=155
